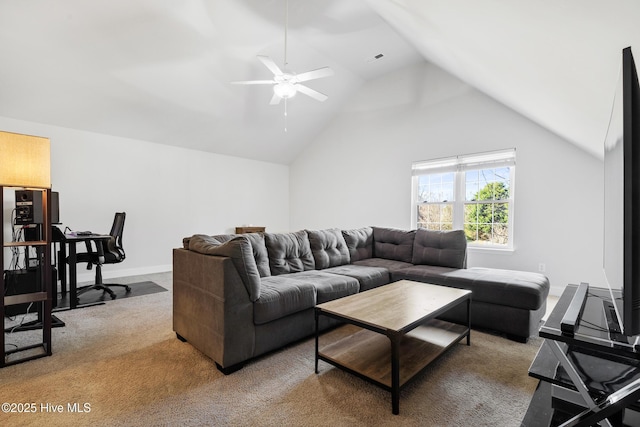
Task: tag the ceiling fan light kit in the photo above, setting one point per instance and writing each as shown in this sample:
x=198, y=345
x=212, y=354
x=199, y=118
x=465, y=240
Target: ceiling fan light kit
x=286, y=84
x=285, y=90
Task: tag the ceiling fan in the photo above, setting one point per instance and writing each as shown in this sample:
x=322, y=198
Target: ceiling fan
x=286, y=83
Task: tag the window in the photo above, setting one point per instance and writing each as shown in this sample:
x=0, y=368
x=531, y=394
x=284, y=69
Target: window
x=473, y=193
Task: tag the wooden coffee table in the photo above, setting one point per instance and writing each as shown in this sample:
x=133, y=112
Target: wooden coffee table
x=392, y=332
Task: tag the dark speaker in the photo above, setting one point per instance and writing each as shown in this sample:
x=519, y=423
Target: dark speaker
x=28, y=207
x=17, y=282
x=55, y=207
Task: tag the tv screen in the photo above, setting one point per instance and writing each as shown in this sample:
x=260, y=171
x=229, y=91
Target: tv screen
x=621, y=252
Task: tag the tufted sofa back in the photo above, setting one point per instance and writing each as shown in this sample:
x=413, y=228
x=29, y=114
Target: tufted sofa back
x=289, y=252
x=328, y=248
x=390, y=243
x=359, y=243
x=440, y=248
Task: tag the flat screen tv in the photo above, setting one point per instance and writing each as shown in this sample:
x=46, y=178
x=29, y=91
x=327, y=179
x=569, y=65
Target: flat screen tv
x=621, y=260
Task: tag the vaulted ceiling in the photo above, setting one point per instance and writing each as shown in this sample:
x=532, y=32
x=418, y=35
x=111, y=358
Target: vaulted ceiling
x=160, y=71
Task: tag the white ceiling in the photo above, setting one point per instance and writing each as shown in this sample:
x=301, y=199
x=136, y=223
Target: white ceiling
x=160, y=71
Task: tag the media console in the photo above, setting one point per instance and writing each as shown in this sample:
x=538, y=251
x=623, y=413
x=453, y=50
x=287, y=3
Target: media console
x=588, y=376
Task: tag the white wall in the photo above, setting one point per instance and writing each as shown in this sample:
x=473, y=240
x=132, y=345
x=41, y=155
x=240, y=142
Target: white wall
x=167, y=192
x=358, y=172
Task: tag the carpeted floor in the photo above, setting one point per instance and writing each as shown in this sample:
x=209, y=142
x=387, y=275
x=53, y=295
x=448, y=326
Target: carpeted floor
x=124, y=361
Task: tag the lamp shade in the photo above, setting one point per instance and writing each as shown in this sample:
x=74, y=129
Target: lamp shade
x=25, y=161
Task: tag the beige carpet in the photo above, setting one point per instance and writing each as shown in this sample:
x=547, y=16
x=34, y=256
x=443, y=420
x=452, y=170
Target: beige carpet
x=124, y=361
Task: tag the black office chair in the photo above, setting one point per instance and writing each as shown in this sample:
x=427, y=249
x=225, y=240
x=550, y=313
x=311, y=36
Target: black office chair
x=107, y=252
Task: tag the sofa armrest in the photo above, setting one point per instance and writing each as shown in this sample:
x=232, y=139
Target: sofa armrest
x=211, y=307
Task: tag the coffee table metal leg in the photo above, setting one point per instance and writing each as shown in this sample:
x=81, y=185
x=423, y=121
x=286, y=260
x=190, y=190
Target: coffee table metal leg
x=395, y=372
x=469, y=321
x=317, y=334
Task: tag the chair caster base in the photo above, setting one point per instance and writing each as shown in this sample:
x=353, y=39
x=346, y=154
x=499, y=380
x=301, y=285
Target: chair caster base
x=108, y=291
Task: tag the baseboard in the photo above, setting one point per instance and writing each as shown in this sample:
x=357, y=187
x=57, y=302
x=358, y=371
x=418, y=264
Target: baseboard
x=556, y=290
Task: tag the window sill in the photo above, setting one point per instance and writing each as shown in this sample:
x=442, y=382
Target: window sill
x=490, y=249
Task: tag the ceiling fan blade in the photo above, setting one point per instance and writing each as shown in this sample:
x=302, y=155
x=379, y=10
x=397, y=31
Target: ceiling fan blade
x=268, y=62
x=315, y=74
x=275, y=100
x=254, y=82
x=312, y=93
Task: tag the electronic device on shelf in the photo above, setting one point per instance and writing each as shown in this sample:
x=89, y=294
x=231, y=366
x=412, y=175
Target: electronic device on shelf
x=621, y=250
x=621, y=254
x=29, y=207
x=573, y=314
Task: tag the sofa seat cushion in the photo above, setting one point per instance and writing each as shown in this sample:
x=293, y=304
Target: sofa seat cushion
x=519, y=289
x=369, y=277
x=328, y=286
x=391, y=265
x=328, y=248
x=281, y=296
x=427, y=274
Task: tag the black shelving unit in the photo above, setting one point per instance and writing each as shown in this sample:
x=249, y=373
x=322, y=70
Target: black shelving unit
x=42, y=295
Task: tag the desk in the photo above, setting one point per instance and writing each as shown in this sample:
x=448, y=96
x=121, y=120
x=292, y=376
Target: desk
x=70, y=241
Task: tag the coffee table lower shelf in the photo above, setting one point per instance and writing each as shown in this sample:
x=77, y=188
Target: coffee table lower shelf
x=367, y=354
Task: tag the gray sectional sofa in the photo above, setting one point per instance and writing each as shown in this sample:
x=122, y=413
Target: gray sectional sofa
x=236, y=297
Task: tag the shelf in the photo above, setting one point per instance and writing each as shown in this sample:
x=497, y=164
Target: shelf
x=368, y=353
x=21, y=244
x=25, y=298
x=42, y=294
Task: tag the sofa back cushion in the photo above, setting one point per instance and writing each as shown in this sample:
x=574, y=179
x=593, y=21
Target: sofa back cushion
x=256, y=240
x=359, y=242
x=328, y=248
x=260, y=254
x=289, y=252
x=440, y=248
x=217, y=239
x=390, y=243
x=240, y=251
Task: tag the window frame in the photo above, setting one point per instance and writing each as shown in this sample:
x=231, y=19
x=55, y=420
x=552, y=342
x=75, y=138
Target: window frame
x=459, y=165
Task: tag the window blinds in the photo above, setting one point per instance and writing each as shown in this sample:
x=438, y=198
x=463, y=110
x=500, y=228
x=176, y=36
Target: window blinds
x=493, y=159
